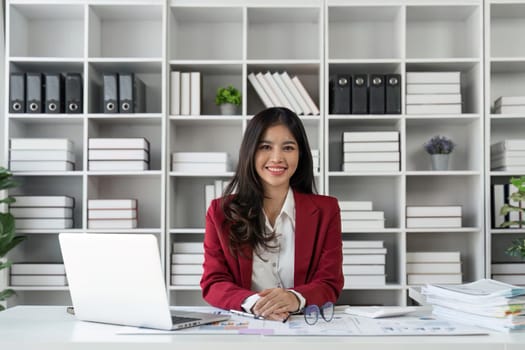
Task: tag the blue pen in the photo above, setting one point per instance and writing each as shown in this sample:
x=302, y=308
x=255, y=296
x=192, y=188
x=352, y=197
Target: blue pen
x=245, y=314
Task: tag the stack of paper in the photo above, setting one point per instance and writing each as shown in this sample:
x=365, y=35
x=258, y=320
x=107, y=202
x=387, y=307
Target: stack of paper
x=508, y=155
x=433, y=93
x=364, y=263
x=41, y=155
x=42, y=212
x=118, y=154
x=434, y=216
x=485, y=303
x=186, y=263
x=433, y=267
x=357, y=215
x=38, y=274
x=112, y=213
x=201, y=162
x=374, y=151
x=509, y=105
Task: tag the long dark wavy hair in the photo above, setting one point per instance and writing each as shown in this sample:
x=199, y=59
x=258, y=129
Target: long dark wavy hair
x=243, y=198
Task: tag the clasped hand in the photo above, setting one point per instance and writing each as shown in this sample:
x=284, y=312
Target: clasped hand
x=276, y=304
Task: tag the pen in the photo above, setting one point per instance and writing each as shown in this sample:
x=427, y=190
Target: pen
x=245, y=314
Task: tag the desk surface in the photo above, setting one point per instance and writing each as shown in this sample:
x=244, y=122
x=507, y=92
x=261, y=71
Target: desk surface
x=38, y=327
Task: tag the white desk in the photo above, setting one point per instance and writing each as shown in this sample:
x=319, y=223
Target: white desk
x=50, y=327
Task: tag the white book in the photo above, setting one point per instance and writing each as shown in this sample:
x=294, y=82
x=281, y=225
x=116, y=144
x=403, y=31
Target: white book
x=175, y=93
x=44, y=165
x=434, y=267
x=200, y=157
x=112, y=203
x=510, y=279
x=509, y=109
x=445, y=278
x=186, y=280
x=364, y=259
x=267, y=88
x=41, y=144
x=355, y=205
x=352, y=225
x=515, y=168
x=185, y=93
x=421, y=99
x=42, y=213
x=356, y=280
x=363, y=269
x=112, y=223
x=287, y=93
x=498, y=200
x=413, y=89
x=452, y=108
x=506, y=153
x=209, y=195
x=112, y=213
x=370, y=136
x=120, y=154
x=371, y=157
x=509, y=100
x=43, y=201
x=119, y=143
x=42, y=155
x=304, y=109
x=187, y=269
x=195, y=94
x=508, y=268
x=187, y=258
x=188, y=247
x=218, y=188
x=433, y=77
x=500, y=162
x=260, y=91
x=362, y=215
x=117, y=165
x=314, y=152
x=362, y=244
x=371, y=146
x=364, y=250
x=433, y=222
x=426, y=257
x=433, y=210
x=37, y=269
x=277, y=91
x=305, y=95
x=370, y=166
x=508, y=145
x=38, y=280
x=42, y=224
x=201, y=167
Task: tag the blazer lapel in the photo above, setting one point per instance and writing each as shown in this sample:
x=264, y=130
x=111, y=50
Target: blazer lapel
x=306, y=222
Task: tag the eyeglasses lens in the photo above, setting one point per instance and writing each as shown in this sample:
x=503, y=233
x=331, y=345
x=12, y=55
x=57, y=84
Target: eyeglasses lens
x=311, y=314
x=327, y=311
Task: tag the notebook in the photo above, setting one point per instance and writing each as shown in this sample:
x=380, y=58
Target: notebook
x=118, y=279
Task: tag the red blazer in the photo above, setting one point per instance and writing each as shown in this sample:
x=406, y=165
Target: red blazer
x=226, y=280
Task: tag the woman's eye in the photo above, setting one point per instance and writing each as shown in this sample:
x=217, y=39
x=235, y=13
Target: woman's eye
x=264, y=147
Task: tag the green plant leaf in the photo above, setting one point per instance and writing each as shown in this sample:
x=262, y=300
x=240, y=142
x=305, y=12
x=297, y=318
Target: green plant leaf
x=7, y=200
x=5, y=265
x=6, y=293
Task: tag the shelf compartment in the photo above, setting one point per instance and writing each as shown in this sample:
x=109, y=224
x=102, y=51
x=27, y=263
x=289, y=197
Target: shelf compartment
x=505, y=129
x=145, y=189
x=451, y=31
x=284, y=33
x=465, y=133
x=213, y=76
x=149, y=72
x=208, y=27
x=46, y=30
x=507, y=78
x=365, y=32
x=507, y=21
x=125, y=31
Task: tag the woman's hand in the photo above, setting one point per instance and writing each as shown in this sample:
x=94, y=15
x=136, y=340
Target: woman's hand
x=276, y=304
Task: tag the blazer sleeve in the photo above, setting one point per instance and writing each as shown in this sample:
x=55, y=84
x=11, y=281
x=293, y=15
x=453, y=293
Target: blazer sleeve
x=221, y=279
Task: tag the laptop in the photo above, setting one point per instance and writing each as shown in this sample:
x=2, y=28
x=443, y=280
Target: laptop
x=118, y=279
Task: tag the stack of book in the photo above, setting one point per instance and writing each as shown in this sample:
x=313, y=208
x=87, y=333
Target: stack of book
x=201, y=162
x=185, y=93
x=513, y=273
x=213, y=191
x=112, y=213
x=500, y=195
x=484, y=303
x=508, y=155
x=356, y=215
x=280, y=90
x=509, y=105
x=41, y=155
x=434, y=216
x=118, y=154
x=371, y=151
x=38, y=274
x=186, y=263
x=433, y=93
x=433, y=267
x=364, y=263
x=43, y=212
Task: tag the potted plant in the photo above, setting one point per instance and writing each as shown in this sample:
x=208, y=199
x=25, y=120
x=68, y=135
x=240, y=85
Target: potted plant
x=228, y=99
x=515, y=206
x=8, y=240
x=439, y=147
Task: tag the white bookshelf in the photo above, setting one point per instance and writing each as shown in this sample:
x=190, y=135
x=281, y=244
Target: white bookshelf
x=227, y=40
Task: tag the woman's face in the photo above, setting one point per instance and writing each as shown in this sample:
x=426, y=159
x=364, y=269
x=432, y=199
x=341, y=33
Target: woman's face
x=276, y=157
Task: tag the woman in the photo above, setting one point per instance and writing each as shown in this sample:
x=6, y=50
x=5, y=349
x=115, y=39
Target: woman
x=272, y=246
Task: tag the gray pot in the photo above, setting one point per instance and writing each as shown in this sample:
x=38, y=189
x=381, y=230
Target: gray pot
x=228, y=109
x=440, y=161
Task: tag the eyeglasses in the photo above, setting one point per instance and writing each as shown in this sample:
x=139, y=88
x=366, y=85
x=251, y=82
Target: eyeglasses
x=312, y=312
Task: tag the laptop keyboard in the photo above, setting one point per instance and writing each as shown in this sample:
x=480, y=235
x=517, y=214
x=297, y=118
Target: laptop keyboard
x=182, y=319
